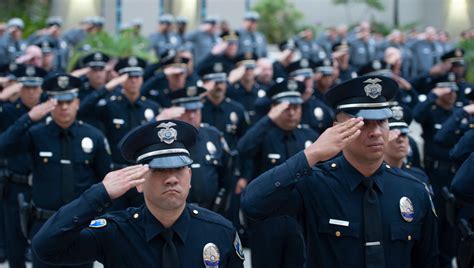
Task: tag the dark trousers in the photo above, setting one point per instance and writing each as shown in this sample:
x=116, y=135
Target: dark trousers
x=17, y=243
x=277, y=242
x=448, y=236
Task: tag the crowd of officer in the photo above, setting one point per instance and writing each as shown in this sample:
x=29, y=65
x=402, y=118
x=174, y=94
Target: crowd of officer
x=62, y=132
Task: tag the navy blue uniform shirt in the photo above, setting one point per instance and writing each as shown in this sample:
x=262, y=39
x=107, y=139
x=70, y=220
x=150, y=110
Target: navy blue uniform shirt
x=463, y=183
x=328, y=197
x=131, y=238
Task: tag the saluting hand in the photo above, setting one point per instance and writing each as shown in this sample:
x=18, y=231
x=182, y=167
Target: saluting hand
x=441, y=91
x=469, y=108
x=118, y=182
x=116, y=81
x=276, y=110
x=393, y=134
x=170, y=113
x=333, y=140
x=80, y=72
x=41, y=110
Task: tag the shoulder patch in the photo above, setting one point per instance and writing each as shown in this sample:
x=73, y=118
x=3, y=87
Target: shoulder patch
x=98, y=223
x=238, y=247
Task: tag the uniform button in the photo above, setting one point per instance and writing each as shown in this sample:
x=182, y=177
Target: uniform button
x=387, y=166
x=75, y=219
x=298, y=175
x=409, y=238
x=99, y=209
x=195, y=212
x=338, y=233
x=333, y=165
x=277, y=184
x=136, y=215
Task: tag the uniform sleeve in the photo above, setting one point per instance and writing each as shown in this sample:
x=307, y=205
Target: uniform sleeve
x=464, y=147
x=16, y=138
x=90, y=101
x=274, y=193
x=103, y=160
x=462, y=185
x=65, y=239
x=425, y=252
x=450, y=131
x=422, y=111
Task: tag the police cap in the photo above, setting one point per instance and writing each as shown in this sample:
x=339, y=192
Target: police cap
x=366, y=96
x=62, y=86
x=162, y=144
x=96, y=60
x=286, y=90
x=302, y=67
x=189, y=97
x=133, y=66
x=401, y=119
x=30, y=76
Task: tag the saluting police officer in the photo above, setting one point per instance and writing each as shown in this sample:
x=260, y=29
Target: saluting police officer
x=68, y=155
x=276, y=241
x=212, y=167
x=250, y=40
x=15, y=175
x=164, y=232
x=165, y=38
x=356, y=211
x=11, y=43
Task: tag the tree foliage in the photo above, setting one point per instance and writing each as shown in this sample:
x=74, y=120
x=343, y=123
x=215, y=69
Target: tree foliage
x=278, y=19
x=32, y=12
x=468, y=46
x=375, y=4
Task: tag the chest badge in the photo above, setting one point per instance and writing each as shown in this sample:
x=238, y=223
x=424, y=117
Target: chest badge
x=87, y=145
x=406, y=209
x=211, y=255
x=211, y=148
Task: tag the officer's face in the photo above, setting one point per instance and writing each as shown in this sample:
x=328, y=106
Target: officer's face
x=231, y=49
x=218, y=90
x=289, y=118
x=448, y=99
x=133, y=84
x=398, y=148
x=48, y=60
x=65, y=112
x=30, y=96
x=192, y=117
x=97, y=77
x=370, y=144
x=166, y=189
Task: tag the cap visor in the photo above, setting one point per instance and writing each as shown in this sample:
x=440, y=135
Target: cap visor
x=64, y=97
x=195, y=105
x=291, y=100
x=370, y=114
x=135, y=73
x=174, y=161
x=31, y=84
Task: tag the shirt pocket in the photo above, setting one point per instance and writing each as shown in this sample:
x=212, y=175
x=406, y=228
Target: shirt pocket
x=403, y=236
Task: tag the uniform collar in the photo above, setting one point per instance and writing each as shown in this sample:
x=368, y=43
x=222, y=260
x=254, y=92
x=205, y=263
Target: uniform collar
x=153, y=227
x=57, y=129
x=354, y=177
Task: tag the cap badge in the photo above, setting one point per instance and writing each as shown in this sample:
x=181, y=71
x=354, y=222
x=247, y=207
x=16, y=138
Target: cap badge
x=98, y=57
x=304, y=63
x=63, y=82
x=376, y=65
x=30, y=71
x=327, y=63
x=45, y=44
x=168, y=134
x=218, y=67
x=211, y=256
x=12, y=67
x=406, y=209
x=373, y=89
x=132, y=61
x=292, y=85
x=191, y=91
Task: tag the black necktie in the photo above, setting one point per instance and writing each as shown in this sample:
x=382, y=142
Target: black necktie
x=290, y=145
x=67, y=173
x=169, y=254
x=133, y=118
x=374, y=255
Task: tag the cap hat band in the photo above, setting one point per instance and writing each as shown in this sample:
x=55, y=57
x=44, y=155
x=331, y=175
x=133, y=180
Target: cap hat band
x=397, y=124
x=162, y=152
x=286, y=94
x=363, y=105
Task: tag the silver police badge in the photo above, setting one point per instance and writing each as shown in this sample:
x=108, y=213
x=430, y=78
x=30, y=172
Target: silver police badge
x=397, y=112
x=191, y=91
x=406, y=209
x=87, y=145
x=211, y=256
x=292, y=85
x=233, y=117
x=211, y=148
x=376, y=65
x=327, y=62
x=149, y=114
x=98, y=57
x=63, y=82
x=30, y=71
x=218, y=67
x=261, y=93
x=168, y=134
x=373, y=89
x=304, y=63
x=132, y=61
x=318, y=113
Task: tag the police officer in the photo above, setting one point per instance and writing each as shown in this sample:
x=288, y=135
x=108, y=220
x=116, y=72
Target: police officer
x=308, y=46
x=426, y=52
x=125, y=109
x=271, y=141
x=224, y=52
x=363, y=46
x=164, y=232
x=356, y=210
x=48, y=48
x=68, y=155
x=464, y=147
x=181, y=25
x=246, y=90
x=94, y=79
x=340, y=54
x=325, y=75
x=212, y=169
x=462, y=185
x=225, y=114
x=164, y=39
x=204, y=38
x=75, y=36
x=11, y=43
x=250, y=39
x=288, y=49
x=15, y=178
x=456, y=125
x=399, y=147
